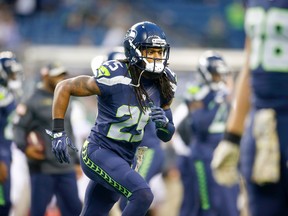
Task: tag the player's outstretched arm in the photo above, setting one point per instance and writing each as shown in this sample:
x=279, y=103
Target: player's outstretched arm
x=241, y=106
x=226, y=155
x=77, y=86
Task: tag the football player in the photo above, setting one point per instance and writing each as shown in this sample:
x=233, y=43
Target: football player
x=130, y=93
x=10, y=71
x=152, y=163
x=207, y=124
x=261, y=102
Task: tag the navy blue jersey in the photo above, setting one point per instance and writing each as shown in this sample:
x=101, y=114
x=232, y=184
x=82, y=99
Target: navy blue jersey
x=120, y=122
x=7, y=106
x=208, y=125
x=209, y=120
x=266, y=24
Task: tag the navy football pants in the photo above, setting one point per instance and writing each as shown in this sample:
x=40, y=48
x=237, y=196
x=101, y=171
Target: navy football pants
x=5, y=202
x=64, y=186
x=268, y=199
x=111, y=176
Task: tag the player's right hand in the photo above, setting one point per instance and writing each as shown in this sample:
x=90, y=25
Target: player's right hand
x=60, y=143
x=35, y=152
x=225, y=163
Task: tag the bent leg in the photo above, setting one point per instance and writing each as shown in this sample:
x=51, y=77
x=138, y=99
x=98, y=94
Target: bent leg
x=112, y=172
x=98, y=199
x=139, y=203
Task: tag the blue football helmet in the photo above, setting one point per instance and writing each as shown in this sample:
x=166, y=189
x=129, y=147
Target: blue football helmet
x=10, y=70
x=116, y=54
x=141, y=36
x=212, y=63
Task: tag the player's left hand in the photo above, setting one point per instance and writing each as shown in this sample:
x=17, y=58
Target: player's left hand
x=225, y=163
x=158, y=116
x=60, y=141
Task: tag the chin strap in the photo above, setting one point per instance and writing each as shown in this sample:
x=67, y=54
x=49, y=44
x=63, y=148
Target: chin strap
x=138, y=82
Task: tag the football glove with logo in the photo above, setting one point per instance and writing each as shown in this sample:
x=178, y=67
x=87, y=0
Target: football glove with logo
x=60, y=141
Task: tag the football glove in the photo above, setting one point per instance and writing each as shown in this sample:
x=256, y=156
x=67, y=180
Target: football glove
x=225, y=163
x=60, y=141
x=158, y=116
x=266, y=167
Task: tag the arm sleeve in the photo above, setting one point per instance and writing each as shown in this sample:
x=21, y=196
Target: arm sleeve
x=185, y=131
x=165, y=134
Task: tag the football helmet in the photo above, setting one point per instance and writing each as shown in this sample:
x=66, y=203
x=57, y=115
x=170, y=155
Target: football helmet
x=212, y=63
x=117, y=53
x=97, y=61
x=10, y=70
x=141, y=36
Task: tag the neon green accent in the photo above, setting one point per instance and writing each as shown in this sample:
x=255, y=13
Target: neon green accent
x=202, y=182
x=98, y=170
x=193, y=90
x=148, y=157
x=235, y=15
x=211, y=105
x=2, y=199
x=103, y=71
x=8, y=130
x=164, y=130
x=218, y=123
x=2, y=96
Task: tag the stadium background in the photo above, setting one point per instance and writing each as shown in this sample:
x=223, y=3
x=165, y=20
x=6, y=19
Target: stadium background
x=74, y=31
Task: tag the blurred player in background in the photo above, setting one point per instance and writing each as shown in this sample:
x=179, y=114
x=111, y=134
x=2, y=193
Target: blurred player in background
x=10, y=73
x=48, y=177
x=153, y=159
x=181, y=141
x=261, y=102
x=207, y=125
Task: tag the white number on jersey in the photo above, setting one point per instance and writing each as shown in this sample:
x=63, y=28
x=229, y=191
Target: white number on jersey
x=136, y=118
x=269, y=36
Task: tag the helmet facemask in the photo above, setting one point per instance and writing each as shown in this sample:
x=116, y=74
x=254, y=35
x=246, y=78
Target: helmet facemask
x=154, y=64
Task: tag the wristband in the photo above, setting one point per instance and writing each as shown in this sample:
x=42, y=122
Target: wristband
x=232, y=137
x=165, y=134
x=58, y=125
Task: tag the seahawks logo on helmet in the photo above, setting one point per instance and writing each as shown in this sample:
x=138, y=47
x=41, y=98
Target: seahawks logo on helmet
x=131, y=34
